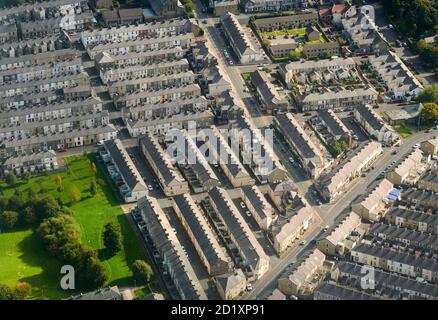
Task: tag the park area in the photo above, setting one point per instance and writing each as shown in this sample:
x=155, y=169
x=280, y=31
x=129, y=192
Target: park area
x=22, y=254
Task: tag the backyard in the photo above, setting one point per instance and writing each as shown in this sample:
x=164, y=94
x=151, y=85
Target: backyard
x=22, y=256
x=298, y=33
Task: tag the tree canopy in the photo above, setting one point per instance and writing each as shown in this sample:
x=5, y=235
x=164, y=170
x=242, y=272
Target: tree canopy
x=414, y=17
x=112, y=238
x=429, y=94
x=142, y=271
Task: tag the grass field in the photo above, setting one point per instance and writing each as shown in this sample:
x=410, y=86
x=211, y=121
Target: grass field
x=246, y=76
x=21, y=250
x=299, y=32
x=402, y=130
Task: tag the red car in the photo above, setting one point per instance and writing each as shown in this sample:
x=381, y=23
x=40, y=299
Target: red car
x=62, y=150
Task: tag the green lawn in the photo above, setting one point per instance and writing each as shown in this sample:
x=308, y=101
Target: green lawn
x=92, y=213
x=22, y=258
x=246, y=76
x=402, y=130
x=300, y=32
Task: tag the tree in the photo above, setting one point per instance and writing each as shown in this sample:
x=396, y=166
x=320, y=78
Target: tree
x=429, y=113
x=90, y=271
x=339, y=146
x=428, y=53
x=93, y=187
x=429, y=94
x=10, y=179
x=22, y=290
x=6, y=293
x=47, y=207
x=4, y=203
x=294, y=55
x=28, y=216
x=58, y=180
x=75, y=194
x=112, y=238
x=58, y=232
x=142, y=271
x=93, y=167
x=8, y=219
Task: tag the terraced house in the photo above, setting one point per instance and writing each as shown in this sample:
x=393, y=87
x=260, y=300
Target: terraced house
x=335, y=182
x=170, y=250
x=301, y=144
x=170, y=179
x=253, y=258
x=201, y=235
x=251, y=6
x=336, y=98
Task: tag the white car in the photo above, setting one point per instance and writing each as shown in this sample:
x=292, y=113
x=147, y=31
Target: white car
x=242, y=205
x=302, y=243
x=150, y=187
x=248, y=213
x=417, y=145
x=249, y=287
x=326, y=227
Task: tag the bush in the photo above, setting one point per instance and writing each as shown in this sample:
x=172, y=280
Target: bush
x=28, y=216
x=8, y=219
x=10, y=179
x=6, y=293
x=22, y=290
x=75, y=194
